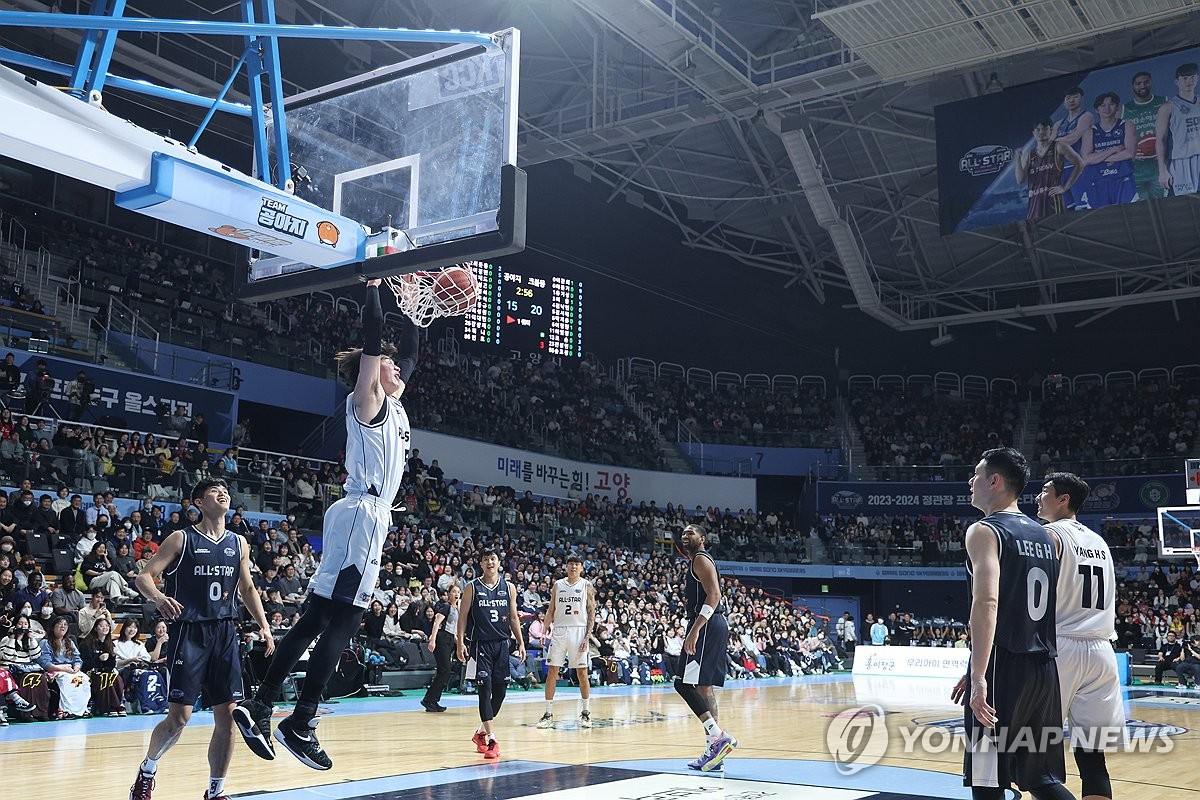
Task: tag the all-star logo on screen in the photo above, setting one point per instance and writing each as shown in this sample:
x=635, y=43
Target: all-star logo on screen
x=273, y=215
x=986, y=159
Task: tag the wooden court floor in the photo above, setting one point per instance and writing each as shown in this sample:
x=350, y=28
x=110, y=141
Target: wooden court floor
x=781, y=725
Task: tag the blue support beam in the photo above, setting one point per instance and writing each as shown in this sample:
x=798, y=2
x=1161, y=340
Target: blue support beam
x=254, y=70
x=87, y=49
x=31, y=19
x=108, y=43
x=274, y=73
x=142, y=87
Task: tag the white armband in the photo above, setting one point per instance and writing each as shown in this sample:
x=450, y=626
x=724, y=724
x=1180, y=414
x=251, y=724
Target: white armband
x=707, y=611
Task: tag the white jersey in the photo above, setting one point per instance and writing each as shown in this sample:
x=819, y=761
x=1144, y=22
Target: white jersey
x=570, y=603
x=377, y=453
x=1184, y=128
x=355, y=527
x=1087, y=583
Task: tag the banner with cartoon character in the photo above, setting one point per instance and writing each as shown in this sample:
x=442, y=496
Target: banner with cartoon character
x=1071, y=143
x=1126, y=495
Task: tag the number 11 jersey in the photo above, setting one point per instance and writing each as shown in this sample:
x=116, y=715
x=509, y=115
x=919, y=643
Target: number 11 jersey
x=1087, y=583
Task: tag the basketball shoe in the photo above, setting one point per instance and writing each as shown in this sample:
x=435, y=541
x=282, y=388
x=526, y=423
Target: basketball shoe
x=717, y=750
x=253, y=719
x=547, y=721
x=142, y=787
x=492, y=750
x=480, y=740
x=585, y=719
x=301, y=741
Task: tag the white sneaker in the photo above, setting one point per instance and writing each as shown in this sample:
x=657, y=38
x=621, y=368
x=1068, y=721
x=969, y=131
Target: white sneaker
x=585, y=719
x=547, y=721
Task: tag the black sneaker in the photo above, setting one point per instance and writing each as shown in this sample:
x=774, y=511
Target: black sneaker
x=432, y=707
x=253, y=720
x=20, y=703
x=301, y=741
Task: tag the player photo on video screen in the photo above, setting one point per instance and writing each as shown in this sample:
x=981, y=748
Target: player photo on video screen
x=1111, y=136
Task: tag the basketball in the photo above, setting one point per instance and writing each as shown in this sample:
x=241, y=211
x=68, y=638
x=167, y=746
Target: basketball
x=454, y=289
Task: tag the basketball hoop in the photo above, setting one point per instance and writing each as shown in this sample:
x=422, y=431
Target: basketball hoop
x=425, y=296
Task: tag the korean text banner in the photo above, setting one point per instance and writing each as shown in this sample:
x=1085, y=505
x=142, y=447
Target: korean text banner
x=1119, y=495
x=481, y=464
x=997, y=164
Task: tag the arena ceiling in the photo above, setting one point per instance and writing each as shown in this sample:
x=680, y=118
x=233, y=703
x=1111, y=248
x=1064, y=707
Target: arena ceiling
x=794, y=135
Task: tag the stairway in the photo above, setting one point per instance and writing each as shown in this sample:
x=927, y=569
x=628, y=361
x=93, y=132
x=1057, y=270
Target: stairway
x=675, y=460
x=858, y=454
x=1031, y=415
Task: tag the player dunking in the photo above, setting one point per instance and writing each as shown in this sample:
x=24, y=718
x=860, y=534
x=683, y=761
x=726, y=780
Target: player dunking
x=354, y=530
x=206, y=567
x=1087, y=666
x=1044, y=165
x=702, y=663
x=1012, y=718
x=572, y=616
x=490, y=620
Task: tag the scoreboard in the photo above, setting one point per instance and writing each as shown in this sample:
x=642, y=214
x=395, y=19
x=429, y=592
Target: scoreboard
x=531, y=316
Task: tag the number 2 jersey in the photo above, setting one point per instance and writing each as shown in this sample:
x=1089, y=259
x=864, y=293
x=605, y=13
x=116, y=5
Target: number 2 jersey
x=1087, y=583
x=1026, y=605
x=570, y=603
x=205, y=578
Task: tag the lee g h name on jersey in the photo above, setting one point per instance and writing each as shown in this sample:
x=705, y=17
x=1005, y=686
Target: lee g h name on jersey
x=1034, y=549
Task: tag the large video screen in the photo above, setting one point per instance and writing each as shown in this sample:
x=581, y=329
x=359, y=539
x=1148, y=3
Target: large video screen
x=1078, y=142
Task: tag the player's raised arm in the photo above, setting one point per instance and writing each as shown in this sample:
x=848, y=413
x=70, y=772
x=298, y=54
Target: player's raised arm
x=368, y=393
x=168, y=554
x=408, y=351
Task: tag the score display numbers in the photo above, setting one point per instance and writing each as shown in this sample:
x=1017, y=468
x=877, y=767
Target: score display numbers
x=528, y=315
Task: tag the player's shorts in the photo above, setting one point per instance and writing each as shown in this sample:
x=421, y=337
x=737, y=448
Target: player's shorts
x=203, y=658
x=1091, y=694
x=487, y=661
x=564, y=647
x=1073, y=196
x=1185, y=175
x=706, y=667
x=1026, y=747
x=1111, y=191
x=352, y=536
x=1145, y=180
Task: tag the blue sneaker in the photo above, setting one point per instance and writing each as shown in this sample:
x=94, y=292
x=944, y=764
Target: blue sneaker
x=717, y=750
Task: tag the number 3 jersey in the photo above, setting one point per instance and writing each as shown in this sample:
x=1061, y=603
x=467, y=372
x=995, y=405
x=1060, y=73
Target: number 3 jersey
x=205, y=578
x=1087, y=583
x=1025, y=608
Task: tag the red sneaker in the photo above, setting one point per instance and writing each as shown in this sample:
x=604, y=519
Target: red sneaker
x=492, y=750
x=207, y=796
x=480, y=740
x=142, y=787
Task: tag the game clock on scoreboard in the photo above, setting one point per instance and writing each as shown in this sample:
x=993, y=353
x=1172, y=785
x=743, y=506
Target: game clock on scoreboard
x=530, y=316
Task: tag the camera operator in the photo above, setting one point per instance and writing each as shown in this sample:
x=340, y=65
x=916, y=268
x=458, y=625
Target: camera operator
x=79, y=393
x=1188, y=669
x=39, y=387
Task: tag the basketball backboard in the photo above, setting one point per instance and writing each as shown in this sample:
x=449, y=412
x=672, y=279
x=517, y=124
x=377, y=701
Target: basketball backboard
x=422, y=154
x=1191, y=471
x=1178, y=531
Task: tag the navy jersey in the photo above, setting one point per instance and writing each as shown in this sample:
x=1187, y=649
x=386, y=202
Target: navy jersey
x=1066, y=128
x=489, y=611
x=1025, y=609
x=1113, y=139
x=694, y=593
x=205, y=578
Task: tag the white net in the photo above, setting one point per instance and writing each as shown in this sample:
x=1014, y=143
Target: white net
x=425, y=296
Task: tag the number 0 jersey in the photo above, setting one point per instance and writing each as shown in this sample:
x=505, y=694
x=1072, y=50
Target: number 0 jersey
x=205, y=578
x=1025, y=607
x=1087, y=583
x=570, y=603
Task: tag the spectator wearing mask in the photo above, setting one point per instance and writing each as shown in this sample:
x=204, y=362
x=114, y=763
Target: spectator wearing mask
x=20, y=652
x=99, y=658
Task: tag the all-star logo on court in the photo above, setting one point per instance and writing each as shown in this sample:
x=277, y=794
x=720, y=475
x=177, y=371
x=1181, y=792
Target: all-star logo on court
x=273, y=215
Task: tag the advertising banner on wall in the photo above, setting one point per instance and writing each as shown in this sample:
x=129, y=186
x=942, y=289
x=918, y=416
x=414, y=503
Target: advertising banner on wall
x=911, y=662
x=1128, y=495
x=483, y=464
x=1072, y=143
x=134, y=397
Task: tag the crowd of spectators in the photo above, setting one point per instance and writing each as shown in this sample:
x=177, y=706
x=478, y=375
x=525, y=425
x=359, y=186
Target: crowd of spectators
x=924, y=429
x=1144, y=428
x=740, y=414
